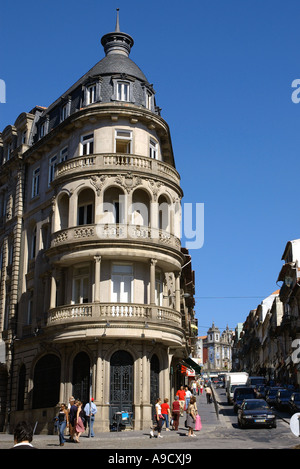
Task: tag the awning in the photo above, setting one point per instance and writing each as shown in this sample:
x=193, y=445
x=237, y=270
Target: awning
x=192, y=364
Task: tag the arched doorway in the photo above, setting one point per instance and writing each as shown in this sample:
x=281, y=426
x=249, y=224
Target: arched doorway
x=121, y=383
x=154, y=382
x=81, y=377
x=46, y=382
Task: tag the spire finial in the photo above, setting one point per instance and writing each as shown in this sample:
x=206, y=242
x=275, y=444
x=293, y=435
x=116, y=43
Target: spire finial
x=117, y=23
x=117, y=42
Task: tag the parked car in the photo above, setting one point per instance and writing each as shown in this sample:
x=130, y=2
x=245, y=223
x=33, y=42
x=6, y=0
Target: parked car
x=241, y=393
x=282, y=399
x=271, y=395
x=256, y=412
x=294, y=403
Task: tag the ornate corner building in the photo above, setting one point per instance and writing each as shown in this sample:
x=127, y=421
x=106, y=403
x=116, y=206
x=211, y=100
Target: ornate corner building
x=93, y=274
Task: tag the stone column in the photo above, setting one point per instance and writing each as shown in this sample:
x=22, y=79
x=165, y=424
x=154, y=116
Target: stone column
x=152, y=281
x=73, y=210
x=97, y=279
x=177, y=291
x=53, y=290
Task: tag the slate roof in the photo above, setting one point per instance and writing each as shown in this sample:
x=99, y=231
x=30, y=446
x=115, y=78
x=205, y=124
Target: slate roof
x=113, y=64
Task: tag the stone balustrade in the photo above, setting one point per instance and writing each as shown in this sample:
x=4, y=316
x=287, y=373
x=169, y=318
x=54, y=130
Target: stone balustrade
x=116, y=161
x=111, y=312
x=114, y=231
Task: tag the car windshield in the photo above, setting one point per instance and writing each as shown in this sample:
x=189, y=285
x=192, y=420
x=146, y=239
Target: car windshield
x=256, y=406
x=245, y=396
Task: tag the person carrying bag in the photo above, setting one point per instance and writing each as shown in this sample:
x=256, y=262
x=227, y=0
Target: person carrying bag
x=191, y=416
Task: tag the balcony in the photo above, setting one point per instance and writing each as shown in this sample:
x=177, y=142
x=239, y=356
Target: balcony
x=102, y=232
x=116, y=162
x=104, y=313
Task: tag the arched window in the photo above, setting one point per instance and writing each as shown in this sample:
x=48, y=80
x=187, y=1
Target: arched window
x=63, y=212
x=163, y=213
x=114, y=205
x=46, y=382
x=86, y=204
x=140, y=208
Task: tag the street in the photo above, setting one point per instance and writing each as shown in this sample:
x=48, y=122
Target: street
x=222, y=433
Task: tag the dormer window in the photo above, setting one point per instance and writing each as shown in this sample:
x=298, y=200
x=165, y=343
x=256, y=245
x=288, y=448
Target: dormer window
x=43, y=130
x=9, y=150
x=24, y=137
x=123, y=91
x=91, y=94
x=149, y=96
x=65, y=110
x=148, y=100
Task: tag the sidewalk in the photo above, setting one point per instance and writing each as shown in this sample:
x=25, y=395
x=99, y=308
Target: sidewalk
x=129, y=439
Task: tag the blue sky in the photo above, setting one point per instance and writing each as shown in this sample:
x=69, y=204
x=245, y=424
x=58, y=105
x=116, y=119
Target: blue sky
x=222, y=72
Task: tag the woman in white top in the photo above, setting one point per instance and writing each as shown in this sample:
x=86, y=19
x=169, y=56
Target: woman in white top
x=188, y=396
x=159, y=419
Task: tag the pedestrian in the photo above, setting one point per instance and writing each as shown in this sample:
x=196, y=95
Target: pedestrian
x=165, y=411
x=79, y=422
x=158, y=419
x=208, y=394
x=175, y=413
x=63, y=422
x=191, y=416
x=201, y=388
x=194, y=387
x=90, y=412
x=181, y=396
x=72, y=416
x=23, y=435
x=188, y=396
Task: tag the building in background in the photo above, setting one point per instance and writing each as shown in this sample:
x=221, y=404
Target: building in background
x=215, y=349
x=269, y=342
x=96, y=292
